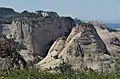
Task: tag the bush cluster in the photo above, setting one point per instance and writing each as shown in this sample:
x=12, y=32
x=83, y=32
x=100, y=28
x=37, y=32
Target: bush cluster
x=67, y=74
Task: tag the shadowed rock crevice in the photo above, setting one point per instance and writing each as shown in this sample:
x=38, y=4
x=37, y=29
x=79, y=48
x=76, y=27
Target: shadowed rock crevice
x=82, y=48
x=110, y=38
x=49, y=41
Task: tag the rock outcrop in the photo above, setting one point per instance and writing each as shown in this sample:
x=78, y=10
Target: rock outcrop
x=110, y=37
x=38, y=35
x=37, y=31
x=10, y=59
x=83, y=48
x=44, y=36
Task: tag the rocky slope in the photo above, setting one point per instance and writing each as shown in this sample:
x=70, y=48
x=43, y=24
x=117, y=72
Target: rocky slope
x=10, y=59
x=52, y=42
x=37, y=31
x=110, y=37
x=82, y=49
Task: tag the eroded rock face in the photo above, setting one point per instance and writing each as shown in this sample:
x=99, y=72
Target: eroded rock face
x=115, y=41
x=82, y=48
x=35, y=30
x=10, y=59
x=32, y=34
x=110, y=37
x=38, y=34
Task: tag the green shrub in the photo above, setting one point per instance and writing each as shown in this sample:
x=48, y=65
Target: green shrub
x=67, y=73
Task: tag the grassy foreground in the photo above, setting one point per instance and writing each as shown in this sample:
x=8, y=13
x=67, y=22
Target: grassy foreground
x=34, y=74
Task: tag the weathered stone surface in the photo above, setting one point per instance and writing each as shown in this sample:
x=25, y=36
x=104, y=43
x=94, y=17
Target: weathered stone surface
x=47, y=14
x=35, y=31
x=110, y=37
x=82, y=48
x=51, y=60
x=38, y=35
x=10, y=59
x=32, y=34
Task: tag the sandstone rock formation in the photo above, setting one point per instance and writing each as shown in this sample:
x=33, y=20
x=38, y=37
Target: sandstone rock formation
x=110, y=37
x=10, y=59
x=83, y=48
x=46, y=37
x=37, y=32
